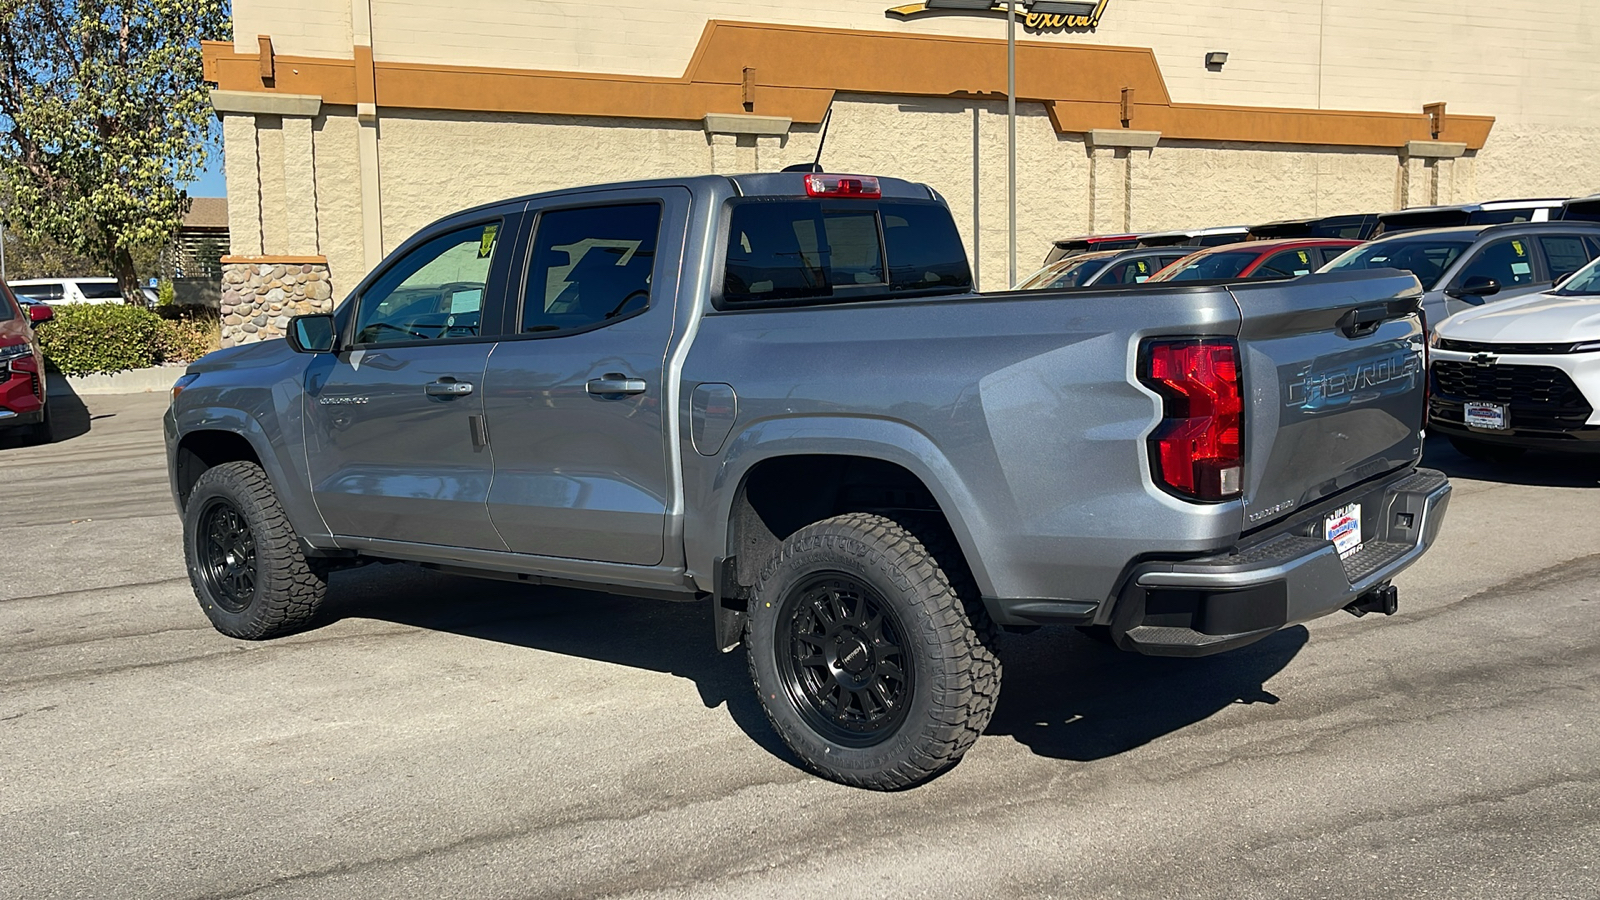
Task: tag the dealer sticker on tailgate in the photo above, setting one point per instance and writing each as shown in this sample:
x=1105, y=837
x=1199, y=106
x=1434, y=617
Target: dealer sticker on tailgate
x=1343, y=528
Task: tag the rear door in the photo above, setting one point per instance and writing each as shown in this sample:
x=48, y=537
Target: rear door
x=1509, y=261
x=1564, y=254
x=1334, y=378
x=394, y=431
x=575, y=393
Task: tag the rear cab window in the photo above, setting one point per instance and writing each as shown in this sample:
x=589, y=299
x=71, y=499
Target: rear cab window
x=809, y=251
x=99, y=290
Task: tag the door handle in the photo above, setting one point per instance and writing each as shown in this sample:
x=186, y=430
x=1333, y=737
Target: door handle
x=449, y=388
x=616, y=383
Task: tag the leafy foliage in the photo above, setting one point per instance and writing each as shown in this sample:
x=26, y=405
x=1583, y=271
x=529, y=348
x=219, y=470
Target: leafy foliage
x=103, y=113
x=103, y=339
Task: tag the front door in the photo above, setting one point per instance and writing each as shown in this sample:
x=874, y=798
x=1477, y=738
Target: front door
x=395, y=436
x=575, y=399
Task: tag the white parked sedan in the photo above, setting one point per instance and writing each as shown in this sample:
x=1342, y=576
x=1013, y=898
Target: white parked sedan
x=1521, y=374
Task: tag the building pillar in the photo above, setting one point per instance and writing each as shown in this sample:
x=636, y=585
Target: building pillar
x=1427, y=170
x=300, y=187
x=242, y=175
x=745, y=143
x=1117, y=158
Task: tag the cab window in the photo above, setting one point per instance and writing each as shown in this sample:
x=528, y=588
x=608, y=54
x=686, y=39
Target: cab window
x=1510, y=262
x=590, y=266
x=433, y=293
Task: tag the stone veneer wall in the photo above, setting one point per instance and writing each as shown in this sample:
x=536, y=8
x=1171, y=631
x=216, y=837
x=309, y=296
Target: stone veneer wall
x=259, y=297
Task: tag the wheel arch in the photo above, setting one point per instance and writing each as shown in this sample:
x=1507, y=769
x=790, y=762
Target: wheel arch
x=812, y=469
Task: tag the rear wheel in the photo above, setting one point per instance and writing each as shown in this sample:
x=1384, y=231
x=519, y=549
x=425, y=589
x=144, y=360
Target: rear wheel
x=870, y=652
x=245, y=562
x=1484, y=451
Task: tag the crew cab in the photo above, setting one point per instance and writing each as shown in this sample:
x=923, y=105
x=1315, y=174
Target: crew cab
x=22, y=382
x=778, y=395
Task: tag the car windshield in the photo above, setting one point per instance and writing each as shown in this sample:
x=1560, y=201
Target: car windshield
x=1068, y=274
x=1584, y=281
x=1213, y=266
x=1426, y=258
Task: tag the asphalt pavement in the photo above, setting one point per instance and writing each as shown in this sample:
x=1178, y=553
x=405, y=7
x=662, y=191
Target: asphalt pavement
x=445, y=737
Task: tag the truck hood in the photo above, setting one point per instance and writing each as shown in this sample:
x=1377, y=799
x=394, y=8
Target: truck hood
x=1547, y=318
x=261, y=353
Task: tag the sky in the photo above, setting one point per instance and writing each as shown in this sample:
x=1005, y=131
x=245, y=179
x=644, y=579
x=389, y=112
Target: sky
x=210, y=183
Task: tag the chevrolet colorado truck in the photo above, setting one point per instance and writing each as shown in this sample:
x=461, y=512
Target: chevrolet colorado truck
x=778, y=395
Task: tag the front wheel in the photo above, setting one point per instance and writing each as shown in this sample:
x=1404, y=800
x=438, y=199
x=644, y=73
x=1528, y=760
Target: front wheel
x=244, y=558
x=1485, y=451
x=870, y=652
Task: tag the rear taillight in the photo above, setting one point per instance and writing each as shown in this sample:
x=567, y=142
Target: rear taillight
x=1197, y=451
x=860, y=187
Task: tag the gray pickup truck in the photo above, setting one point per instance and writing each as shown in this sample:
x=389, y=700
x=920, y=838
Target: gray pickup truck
x=777, y=394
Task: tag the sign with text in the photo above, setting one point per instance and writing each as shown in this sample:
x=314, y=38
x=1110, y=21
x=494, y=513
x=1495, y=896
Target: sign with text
x=1034, y=15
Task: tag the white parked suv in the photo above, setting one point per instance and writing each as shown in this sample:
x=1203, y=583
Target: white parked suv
x=1521, y=374
x=57, y=291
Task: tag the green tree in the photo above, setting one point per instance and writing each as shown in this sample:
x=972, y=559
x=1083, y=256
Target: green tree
x=103, y=114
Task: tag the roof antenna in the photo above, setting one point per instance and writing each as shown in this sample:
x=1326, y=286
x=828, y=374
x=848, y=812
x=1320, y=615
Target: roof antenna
x=815, y=165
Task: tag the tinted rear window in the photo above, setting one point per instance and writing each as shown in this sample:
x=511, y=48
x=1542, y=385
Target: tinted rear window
x=812, y=250
x=99, y=290
x=44, y=293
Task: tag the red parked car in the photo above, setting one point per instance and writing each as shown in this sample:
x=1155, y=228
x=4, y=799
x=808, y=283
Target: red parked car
x=1256, y=259
x=22, y=397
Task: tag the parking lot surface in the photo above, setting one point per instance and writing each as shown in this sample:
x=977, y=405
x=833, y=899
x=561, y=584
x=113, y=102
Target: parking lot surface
x=441, y=736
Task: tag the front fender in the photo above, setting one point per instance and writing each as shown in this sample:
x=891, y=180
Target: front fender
x=890, y=441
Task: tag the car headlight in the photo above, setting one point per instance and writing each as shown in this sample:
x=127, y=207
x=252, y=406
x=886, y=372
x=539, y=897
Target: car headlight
x=179, y=385
x=15, y=351
x=1586, y=347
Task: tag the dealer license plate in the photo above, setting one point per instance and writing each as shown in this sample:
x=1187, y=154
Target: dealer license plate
x=1491, y=416
x=1343, y=527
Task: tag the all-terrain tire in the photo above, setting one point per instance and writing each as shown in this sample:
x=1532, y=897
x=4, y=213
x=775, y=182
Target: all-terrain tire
x=1485, y=451
x=911, y=581
x=234, y=521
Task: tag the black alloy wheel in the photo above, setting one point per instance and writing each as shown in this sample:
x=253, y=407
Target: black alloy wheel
x=227, y=551
x=845, y=669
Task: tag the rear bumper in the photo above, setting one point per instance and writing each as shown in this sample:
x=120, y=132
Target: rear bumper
x=1198, y=607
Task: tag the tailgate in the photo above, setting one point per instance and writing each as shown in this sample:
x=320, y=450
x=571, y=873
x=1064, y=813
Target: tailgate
x=1334, y=375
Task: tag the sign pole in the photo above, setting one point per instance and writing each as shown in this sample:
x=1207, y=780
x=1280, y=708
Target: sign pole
x=1011, y=137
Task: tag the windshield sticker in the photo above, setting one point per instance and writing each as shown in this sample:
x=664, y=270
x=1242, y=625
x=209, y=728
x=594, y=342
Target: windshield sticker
x=1380, y=259
x=1517, y=246
x=486, y=246
x=1303, y=257
x=1521, y=268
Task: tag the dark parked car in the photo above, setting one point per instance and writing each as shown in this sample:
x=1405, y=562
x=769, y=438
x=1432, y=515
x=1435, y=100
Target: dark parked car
x=1090, y=243
x=1497, y=212
x=1465, y=267
x=1256, y=259
x=22, y=391
x=1104, y=268
x=1358, y=227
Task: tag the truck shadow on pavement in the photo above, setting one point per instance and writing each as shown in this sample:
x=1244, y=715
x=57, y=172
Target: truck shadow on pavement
x=1536, y=469
x=655, y=635
x=69, y=416
x=1064, y=696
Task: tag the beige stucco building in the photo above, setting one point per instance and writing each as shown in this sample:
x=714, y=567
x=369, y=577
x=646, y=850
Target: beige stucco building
x=349, y=124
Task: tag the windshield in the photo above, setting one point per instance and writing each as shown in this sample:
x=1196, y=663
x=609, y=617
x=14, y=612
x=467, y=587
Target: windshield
x=1213, y=266
x=1585, y=281
x=1426, y=258
x=1068, y=274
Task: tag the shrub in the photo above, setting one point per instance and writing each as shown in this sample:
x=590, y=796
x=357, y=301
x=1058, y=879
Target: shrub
x=108, y=338
x=102, y=339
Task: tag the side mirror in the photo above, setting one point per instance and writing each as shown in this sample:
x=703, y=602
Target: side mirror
x=312, y=334
x=39, y=313
x=1476, y=286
